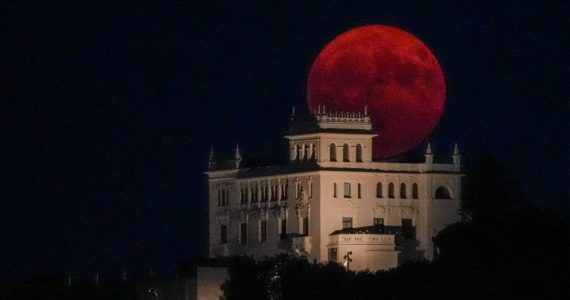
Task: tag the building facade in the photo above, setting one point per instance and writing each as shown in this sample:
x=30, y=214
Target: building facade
x=332, y=202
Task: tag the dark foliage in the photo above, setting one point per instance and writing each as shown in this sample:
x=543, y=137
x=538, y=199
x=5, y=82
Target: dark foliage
x=506, y=248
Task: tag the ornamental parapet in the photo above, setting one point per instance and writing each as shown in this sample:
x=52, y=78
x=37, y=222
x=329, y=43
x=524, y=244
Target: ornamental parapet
x=363, y=239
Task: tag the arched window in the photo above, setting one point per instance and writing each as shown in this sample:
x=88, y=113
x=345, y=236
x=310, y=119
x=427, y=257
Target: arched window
x=379, y=190
x=345, y=153
x=442, y=193
x=359, y=153
x=403, y=191
x=314, y=152
x=391, y=190
x=333, y=152
x=415, y=191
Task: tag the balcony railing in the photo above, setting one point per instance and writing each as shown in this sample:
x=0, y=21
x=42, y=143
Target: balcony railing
x=301, y=244
x=361, y=239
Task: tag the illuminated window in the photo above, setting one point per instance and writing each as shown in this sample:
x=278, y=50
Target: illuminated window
x=345, y=153
x=403, y=191
x=346, y=190
x=391, y=190
x=333, y=152
x=415, y=191
x=346, y=223
x=358, y=153
x=379, y=190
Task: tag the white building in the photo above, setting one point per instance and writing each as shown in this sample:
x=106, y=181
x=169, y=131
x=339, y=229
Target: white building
x=332, y=199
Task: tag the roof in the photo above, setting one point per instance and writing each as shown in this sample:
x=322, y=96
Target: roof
x=277, y=170
x=309, y=124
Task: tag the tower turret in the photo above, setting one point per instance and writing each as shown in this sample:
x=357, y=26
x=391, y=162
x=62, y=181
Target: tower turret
x=429, y=154
x=456, y=157
x=211, y=161
x=237, y=157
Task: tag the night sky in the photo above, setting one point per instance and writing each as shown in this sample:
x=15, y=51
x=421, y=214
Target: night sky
x=108, y=111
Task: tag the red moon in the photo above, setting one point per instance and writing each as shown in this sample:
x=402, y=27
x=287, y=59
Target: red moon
x=390, y=71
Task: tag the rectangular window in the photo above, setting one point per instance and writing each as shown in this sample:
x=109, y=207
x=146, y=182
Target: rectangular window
x=359, y=191
x=243, y=233
x=334, y=190
x=346, y=223
x=263, y=231
x=333, y=254
x=379, y=225
x=224, y=234
x=283, y=233
x=273, y=192
x=408, y=228
x=306, y=226
x=227, y=199
x=346, y=190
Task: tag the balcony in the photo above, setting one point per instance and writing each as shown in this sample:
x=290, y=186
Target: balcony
x=301, y=244
x=367, y=249
x=363, y=239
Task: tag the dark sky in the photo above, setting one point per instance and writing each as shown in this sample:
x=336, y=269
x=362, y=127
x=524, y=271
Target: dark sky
x=107, y=111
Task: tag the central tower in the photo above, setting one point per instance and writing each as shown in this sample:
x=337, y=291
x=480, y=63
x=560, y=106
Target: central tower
x=337, y=138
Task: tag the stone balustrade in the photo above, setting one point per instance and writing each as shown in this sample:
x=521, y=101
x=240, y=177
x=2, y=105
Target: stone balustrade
x=363, y=239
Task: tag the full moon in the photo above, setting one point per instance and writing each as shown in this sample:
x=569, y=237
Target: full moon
x=390, y=71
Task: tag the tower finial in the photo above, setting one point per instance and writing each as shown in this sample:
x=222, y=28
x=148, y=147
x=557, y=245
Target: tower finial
x=428, y=149
x=429, y=154
x=456, y=157
x=211, y=156
x=211, y=161
x=366, y=110
x=237, y=154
